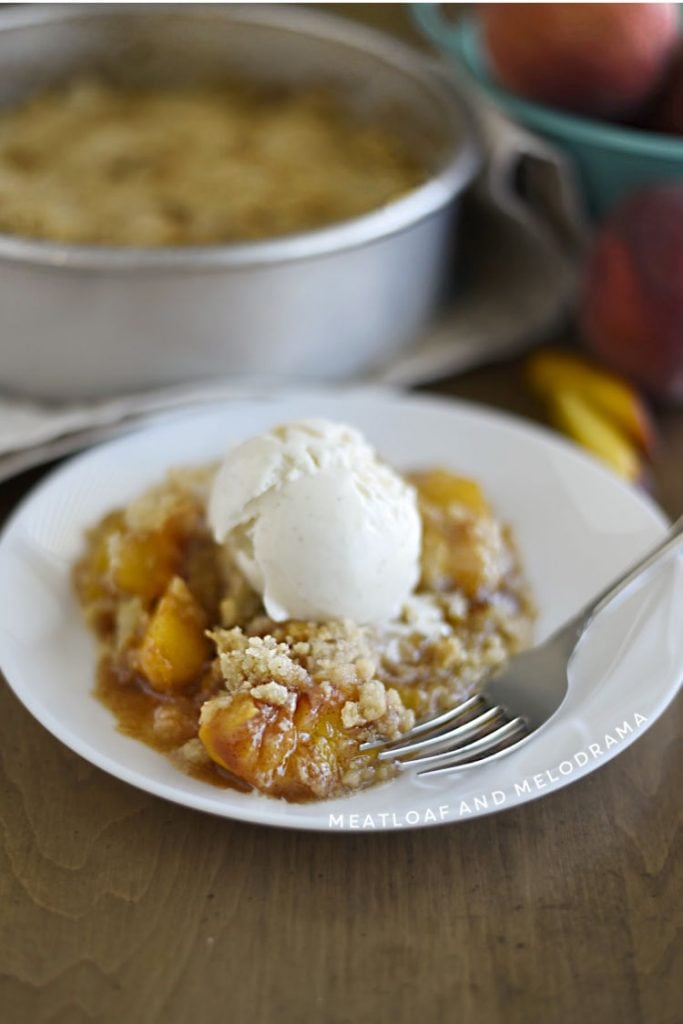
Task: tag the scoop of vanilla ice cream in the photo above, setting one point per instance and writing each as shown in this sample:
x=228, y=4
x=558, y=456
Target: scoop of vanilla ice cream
x=320, y=527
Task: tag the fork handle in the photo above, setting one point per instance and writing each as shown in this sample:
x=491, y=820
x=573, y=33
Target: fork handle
x=578, y=625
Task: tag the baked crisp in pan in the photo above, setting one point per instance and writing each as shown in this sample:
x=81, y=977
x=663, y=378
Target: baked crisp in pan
x=91, y=163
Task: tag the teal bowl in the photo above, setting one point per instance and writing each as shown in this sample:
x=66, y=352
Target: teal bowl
x=612, y=160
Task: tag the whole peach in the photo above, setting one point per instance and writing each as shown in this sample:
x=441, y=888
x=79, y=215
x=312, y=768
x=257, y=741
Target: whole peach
x=599, y=59
x=632, y=305
x=667, y=115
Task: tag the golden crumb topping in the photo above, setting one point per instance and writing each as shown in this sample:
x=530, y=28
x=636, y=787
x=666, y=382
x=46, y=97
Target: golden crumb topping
x=192, y=664
x=92, y=163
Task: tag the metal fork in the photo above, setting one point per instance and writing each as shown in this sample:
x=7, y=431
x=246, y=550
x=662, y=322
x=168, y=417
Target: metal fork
x=515, y=702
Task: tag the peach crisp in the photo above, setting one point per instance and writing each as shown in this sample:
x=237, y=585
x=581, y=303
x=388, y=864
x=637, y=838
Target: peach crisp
x=192, y=665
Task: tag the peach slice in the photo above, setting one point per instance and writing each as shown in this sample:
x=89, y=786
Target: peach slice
x=462, y=544
x=551, y=371
x=298, y=750
x=174, y=647
x=142, y=563
x=573, y=414
x=443, y=488
x=91, y=574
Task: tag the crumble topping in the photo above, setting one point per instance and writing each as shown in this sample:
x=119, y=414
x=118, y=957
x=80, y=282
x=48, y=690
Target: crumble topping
x=193, y=754
x=89, y=161
x=370, y=706
x=169, y=724
x=285, y=706
x=380, y=707
x=181, y=493
x=131, y=618
x=248, y=662
x=271, y=693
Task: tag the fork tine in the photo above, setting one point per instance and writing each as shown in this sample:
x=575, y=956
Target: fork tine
x=474, y=753
x=470, y=730
x=430, y=723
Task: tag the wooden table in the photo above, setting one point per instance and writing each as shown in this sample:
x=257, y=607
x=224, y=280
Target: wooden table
x=119, y=908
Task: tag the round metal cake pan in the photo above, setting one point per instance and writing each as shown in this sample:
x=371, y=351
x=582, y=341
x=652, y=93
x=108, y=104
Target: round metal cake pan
x=81, y=321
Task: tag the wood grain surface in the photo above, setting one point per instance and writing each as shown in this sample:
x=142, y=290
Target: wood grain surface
x=118, y=908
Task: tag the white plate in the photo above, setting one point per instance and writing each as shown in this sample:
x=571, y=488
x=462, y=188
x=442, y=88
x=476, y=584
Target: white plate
x=577, y=527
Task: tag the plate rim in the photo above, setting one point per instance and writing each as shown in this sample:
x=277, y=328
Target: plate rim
x=163, y=790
